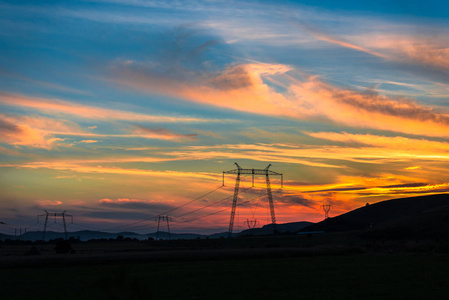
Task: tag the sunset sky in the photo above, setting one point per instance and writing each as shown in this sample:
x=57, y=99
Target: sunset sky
x=118, y=111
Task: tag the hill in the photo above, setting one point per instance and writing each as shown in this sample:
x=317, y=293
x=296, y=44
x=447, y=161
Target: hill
x=281, y=228
x=423, y=215
x=86, y=235
x=431, y=223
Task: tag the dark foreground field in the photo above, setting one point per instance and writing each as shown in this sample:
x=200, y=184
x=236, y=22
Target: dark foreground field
x=226, y=273
x=396, y=249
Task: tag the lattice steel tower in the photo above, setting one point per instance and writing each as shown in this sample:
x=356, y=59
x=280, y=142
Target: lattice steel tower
x=239, y=171
x=326, y=208
x=47, y=214
x=162, y=219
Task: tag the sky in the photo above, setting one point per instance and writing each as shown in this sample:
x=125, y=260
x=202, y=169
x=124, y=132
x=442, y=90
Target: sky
x=120, y=111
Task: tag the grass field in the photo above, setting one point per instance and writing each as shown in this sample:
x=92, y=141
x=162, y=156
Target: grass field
x=357, y=276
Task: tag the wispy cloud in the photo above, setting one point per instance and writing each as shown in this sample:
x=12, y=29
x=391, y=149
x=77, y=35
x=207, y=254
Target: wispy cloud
x=34, y=131
x=88, y=141
x=320, y=35
x=134, y=204
x=390, y=142
x=427, y=51
x=161, y=134
x=81, y=167
x=47, y=133
x=245, y=88
x=53, y=106
x=425, y=48
x=13, y=75
x=49, y=202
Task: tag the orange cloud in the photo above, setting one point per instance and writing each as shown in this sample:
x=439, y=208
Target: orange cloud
x=245, y=88
x=414, y=168
x=334, y=40
x=98, y=169
x=89, y=112
x=162, y=134
x=377, y=150
x=349, y=191
x=88, y=141
x=120, y=200
x=420, y=146
x=426, y=50
x=39, y=132
x=49, y=202
x=35, y=132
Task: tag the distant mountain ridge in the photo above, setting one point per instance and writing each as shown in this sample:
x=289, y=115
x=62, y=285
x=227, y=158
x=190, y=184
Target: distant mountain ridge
x=423, y=216
x=281, y=228
x=85, y=235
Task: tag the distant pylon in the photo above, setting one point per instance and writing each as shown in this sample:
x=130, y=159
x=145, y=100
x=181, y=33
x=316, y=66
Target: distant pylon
x=326, y=208
x=160, y=219
x=63, y=215
x=251, y=223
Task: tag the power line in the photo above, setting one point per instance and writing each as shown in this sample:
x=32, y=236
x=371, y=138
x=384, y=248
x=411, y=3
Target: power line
x=165, y=213
x=214, y=213
x=241, y=204
x=198, y=198
x=209, y=205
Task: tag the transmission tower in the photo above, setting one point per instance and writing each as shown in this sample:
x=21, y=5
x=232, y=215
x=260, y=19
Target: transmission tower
x=239, y=171
x=47, y=214
x=160, y=219
x=326, y=208
x=251, y=223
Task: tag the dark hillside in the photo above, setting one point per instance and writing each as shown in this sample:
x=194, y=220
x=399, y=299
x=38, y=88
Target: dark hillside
x=432, y=223
x=281, y=228
x=414, y=211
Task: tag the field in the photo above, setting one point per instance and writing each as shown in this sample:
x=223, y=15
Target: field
x=130, y=270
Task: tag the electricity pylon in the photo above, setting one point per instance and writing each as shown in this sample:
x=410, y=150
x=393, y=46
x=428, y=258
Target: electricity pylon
x=251, y=223
x=47, y=214
x=166, y=219
x=326, y=208
x=239, y=171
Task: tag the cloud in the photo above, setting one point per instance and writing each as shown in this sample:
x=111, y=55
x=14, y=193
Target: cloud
x=426, y=50
x=36, y=132
x=414, y=168
x=125, y=203
x=425, y=47
x=252, y=88
x=161, y=134
x=209, y=133
x=9, y=151
x=41, y=132
x=88, y=167
x=296, y=200
x=49, y=203
x=118, y=215
x=88, y=141
x=367, y=149
x=395, y=145
x=416, y=188
x=53, y=106
x=320, y=35
x=406, y=185
x=259, y=152
x=7, y=127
